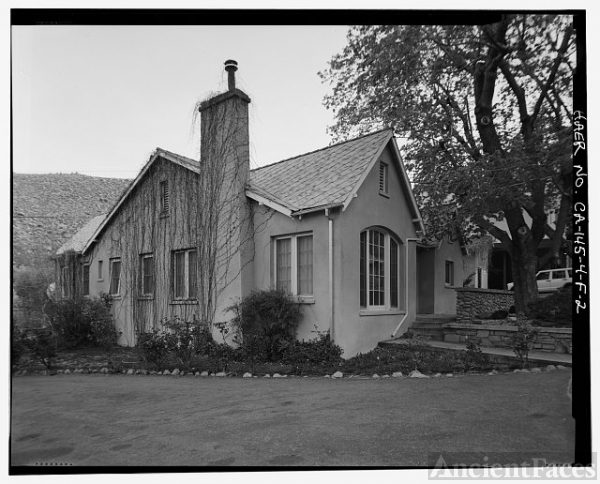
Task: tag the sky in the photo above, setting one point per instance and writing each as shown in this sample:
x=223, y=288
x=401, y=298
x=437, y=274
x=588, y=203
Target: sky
x=98, y=100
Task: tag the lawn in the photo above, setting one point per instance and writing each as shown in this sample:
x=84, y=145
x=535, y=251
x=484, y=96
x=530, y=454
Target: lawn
x=122, y=420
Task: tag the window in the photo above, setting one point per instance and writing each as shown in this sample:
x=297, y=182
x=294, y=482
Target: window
x=185, y=274
x=542, y=276
x=379, y=270
x=66, y=282
x=85, y=290
x=293, y=264
x=147, y=272
x=559, y=274
x=115, y=277
x=100, y=276
x=164, y=198
x=479, y=277
x=383, y=178
x=449, y=273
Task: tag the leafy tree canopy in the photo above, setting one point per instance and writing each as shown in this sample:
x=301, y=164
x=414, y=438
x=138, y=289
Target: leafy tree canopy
x=485, y=114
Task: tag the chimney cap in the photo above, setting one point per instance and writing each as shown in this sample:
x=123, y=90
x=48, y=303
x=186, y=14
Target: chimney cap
x=230, y=65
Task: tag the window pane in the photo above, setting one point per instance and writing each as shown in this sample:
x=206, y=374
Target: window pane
x=179, y=274
x=115, y=277
x=376, y=268
x=393, y=273
x=543, y=276
x=559, y=275
x=147, y=275
x=86, y=280
x=193, y=275
x=363, y=269
x=305, y=265
x=284, y=264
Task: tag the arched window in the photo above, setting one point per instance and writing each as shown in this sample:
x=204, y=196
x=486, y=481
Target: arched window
x=380, y=281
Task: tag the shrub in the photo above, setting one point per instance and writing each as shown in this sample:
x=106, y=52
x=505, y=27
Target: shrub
x=555, y=308
x=271, y=316
x=18, y=346
x=83, y=322
x=43, y=345
x=188, y=340
x=319, y=351
x=153, y=347
x=522, y=341
x=472, y=357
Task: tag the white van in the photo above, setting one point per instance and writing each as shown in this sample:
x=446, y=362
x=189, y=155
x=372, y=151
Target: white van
x=551, y=280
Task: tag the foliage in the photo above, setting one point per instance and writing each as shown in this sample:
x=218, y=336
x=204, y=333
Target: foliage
x=522, y=341
x=43, y=345
x=319, y=351
x=472, y=357
x=83, y=322
x=268, y=318
x=186, y=340
x=30, y=285
x=153, y=347
x=556, y=308
x=486, y=115
x=18, y=346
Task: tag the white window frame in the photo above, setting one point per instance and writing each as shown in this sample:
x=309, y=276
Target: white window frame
x=294, y=263
x=110, y=276
x=386, y=307
x=186, y=275
x=143, y=257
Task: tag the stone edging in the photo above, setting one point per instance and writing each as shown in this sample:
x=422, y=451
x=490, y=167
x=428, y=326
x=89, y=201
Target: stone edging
x=335, y=376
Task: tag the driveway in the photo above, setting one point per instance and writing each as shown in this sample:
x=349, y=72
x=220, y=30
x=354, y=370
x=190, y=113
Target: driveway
x=120, y=420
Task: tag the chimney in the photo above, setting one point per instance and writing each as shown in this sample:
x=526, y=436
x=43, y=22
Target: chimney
x=224, y=172
x=231, y=67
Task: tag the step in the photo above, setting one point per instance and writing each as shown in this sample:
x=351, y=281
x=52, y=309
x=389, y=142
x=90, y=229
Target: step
x=539, y=357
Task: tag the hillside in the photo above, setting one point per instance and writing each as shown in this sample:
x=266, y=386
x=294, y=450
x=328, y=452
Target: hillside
x=49, y=209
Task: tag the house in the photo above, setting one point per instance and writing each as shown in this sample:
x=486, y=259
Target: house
x=338, y=228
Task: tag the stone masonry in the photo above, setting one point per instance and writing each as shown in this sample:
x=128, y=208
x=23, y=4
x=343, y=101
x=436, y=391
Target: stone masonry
x=471, y=302
x=554, y=340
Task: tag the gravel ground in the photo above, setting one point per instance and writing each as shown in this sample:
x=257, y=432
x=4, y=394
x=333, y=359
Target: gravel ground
x=121, y=420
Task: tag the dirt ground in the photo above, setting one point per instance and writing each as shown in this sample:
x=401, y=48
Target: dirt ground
x=121, y=420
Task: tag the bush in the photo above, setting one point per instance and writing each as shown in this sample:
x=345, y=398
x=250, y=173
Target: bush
x=18, y=346
x=319, y=351
x=267, y=322
x=153, y=347
x=43, y=345
x=556, y=308
x=188, y=340
x=472, y=357
x=83, y=322
x=522, y=341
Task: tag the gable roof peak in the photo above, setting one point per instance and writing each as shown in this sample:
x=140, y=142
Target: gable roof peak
x=334, y=145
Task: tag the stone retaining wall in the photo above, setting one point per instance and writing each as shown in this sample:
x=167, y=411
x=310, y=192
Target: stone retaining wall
x=471, y=302
x=553, y=340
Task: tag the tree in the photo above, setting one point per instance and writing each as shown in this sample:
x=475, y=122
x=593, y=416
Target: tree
x=487, y=119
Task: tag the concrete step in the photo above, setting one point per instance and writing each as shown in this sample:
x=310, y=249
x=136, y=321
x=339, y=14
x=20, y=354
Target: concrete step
x=496, y=354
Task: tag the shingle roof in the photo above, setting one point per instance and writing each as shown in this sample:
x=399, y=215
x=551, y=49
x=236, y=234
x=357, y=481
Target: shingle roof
x=323, y=177
x=82, y=237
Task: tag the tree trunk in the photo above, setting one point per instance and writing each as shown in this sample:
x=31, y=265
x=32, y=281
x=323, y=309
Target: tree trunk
x=524, y=269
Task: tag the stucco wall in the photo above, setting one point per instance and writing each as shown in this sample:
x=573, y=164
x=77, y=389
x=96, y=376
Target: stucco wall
x=445, y=295
x=269, y=224
x=136, y=229
x=355, y=330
